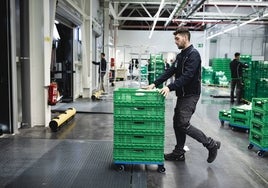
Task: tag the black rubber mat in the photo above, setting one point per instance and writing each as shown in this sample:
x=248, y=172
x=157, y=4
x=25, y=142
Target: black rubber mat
x=86, y=106
x=78, y=164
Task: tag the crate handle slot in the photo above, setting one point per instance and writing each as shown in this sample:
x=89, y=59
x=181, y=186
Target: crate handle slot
x=139, y=122
x=139, y=94
x=139, y=108
x=257, y=115
x=259, y=103
x=255, y=125
x=138, y=136
x=256, y=137
x=240, y=110
x=138, y=150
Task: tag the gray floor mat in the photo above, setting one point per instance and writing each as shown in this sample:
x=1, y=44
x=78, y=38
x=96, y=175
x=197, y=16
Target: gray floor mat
x=77, y=164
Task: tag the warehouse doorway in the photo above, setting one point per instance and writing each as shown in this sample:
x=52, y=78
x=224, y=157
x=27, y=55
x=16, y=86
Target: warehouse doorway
x=62, y=66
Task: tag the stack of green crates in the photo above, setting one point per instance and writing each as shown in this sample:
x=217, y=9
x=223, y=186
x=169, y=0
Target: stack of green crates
x=259, y=124
x=240, y=116
x=255, y=79
x=139, y=126
x=222, y=64
x=245, y=58
x=207, y=75
x=220, y=79
x=156, y=68
x=144, y=73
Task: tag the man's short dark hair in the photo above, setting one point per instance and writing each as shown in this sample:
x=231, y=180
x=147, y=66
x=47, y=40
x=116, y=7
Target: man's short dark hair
x=183, y=31
x=237, y=54
x=103, y=54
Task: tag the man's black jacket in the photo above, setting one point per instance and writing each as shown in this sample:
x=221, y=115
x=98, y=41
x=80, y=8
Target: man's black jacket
x=102, y=64
x=187, y=70
x=236, y=68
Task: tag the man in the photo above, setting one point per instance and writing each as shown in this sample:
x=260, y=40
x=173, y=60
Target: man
x=236, y=74
x=102, y=69
x=187, y=85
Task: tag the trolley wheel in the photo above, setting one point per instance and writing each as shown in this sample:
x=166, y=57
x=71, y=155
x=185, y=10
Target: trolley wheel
x=250, y=146
x=260, y=153
x=120, y=167
x=222, y=123
x=161, y=168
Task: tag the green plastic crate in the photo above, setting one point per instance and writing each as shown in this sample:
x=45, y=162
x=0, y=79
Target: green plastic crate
x=258, y=139
x=260, y=115
x=240, y=122
x=156, y=56
x=142, y=111
x=139, y=137
x=239, y=112
x=137, y=118
x=130, y=154
x=139, y=124
x=260, y=103
x=134, y=95
x=259, y=127
x=225, y=115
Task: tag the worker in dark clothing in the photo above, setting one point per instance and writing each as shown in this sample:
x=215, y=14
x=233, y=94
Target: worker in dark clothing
x=102, y=70
x=187, y=85
x=236, y=74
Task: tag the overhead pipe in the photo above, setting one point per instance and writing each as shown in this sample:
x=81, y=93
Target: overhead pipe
x=176, y=10
x=195, y=8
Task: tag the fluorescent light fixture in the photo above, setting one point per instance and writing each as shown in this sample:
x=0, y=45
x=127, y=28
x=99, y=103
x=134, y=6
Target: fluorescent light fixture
x=249, y=21
x=156, y=17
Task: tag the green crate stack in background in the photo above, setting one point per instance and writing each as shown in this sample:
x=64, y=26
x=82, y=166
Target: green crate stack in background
x=207, y=75
x=144, y=73
x=156, y=68
x=245, y=58
x=139, y=126
x=255, y=79
x=259, y=122
x=222, y=64
x=220, y=79
x=240, y=116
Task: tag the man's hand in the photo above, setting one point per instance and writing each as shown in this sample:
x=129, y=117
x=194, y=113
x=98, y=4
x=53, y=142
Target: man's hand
x=149, y=87
x=164, y=91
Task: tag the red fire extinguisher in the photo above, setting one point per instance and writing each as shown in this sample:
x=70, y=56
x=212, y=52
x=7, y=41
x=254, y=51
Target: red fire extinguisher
x=52, y=93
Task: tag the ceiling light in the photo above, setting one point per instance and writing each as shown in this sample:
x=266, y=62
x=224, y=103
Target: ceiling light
x=156, y=17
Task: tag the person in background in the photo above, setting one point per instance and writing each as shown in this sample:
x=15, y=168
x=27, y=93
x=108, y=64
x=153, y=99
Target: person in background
x=102, y=69
x=187, y=85
x=236, y=78
x=112, y=72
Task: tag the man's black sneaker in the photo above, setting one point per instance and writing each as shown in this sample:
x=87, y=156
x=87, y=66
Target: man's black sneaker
x=212, y=152
x=174, y=157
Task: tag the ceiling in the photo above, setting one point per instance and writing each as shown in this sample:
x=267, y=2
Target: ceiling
x=197, y=15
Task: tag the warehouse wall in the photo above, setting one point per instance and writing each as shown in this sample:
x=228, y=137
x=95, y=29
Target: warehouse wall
x=130, y=42
x=247, y=40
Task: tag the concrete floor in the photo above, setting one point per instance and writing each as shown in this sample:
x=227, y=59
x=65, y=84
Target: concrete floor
x=80, y=153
